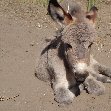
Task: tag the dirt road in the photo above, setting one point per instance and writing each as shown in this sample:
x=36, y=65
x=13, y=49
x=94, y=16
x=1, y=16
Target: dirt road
x=23, y=30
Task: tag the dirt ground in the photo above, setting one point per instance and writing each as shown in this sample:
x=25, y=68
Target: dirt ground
x=23, y=30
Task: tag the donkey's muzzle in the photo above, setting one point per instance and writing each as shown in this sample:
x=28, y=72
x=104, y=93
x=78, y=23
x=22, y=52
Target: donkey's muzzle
x=81, y=76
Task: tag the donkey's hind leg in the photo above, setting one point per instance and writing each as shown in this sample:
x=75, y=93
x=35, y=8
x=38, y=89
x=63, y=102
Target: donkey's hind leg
x=41, y=68
x=104, y=70
x=100, y=77
x=101, y=69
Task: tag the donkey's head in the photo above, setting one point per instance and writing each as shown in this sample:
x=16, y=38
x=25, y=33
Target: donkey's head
x=77, y=35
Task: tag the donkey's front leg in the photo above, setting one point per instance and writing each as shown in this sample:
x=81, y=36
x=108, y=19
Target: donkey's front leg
x=93, y=86
x=60, y=82
x=62, y=93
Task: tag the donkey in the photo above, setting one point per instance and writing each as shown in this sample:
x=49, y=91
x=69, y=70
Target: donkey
x=67, y=61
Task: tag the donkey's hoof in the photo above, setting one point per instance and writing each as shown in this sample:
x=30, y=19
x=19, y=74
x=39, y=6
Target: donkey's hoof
x=94, y=87
x=63, y=96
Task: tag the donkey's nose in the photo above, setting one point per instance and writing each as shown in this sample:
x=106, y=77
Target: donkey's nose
x=81, y=76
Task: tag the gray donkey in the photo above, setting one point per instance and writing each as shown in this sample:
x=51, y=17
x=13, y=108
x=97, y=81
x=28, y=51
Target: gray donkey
x=66, y=62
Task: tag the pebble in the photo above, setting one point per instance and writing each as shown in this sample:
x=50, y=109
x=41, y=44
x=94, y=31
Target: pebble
x=2, y=98
x=98, y=48
x=32, y=43
x=39, y=26
x=25, y=102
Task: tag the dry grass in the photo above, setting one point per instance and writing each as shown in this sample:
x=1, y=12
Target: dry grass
x=90, y=4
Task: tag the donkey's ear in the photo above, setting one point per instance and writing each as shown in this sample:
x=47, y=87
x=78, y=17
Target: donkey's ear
x=92, y=14
x=58, y=14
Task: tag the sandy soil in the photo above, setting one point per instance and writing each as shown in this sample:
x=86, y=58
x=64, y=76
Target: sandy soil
x=23, y=30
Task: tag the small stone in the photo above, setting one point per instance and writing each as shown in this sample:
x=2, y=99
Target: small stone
x=25, y=102
x=93, y=97
x=98, y=48
x=9, y=98
x=2, y=98
x=17, y=95
x=32, y=44
x=39, y=25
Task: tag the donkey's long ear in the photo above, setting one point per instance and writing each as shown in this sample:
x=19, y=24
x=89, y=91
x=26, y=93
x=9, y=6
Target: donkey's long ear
x=92, y=14
x=58, y=14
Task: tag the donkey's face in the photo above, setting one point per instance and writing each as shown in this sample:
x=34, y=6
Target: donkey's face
x=77, y=35
x=78, y=38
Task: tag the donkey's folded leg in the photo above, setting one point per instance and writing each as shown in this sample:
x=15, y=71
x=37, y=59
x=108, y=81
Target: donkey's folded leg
x=101, y=68
x=104, y=70
x=93, y=86
x=100, y=77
